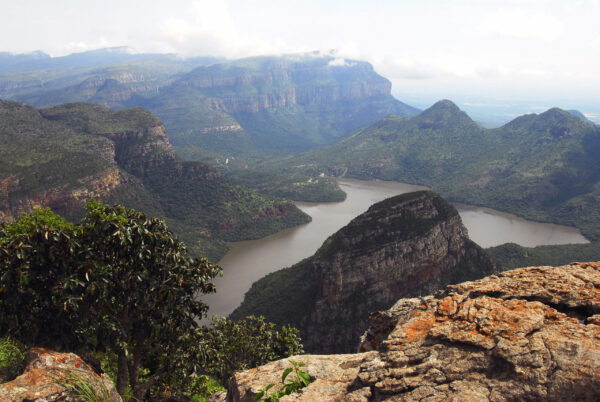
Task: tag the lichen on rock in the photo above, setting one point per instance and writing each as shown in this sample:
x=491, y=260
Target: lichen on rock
x=48, y=377
x=527, y=334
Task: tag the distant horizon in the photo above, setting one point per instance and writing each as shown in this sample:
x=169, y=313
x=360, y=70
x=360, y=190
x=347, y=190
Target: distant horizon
x=473, y=51
x=488, y=111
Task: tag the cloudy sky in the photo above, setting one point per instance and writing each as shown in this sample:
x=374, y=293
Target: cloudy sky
x=473, y=51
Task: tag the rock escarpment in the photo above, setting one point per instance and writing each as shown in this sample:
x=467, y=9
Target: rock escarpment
x=52, y=376
x=407, y=245
x=286, y=103
x=527, y=334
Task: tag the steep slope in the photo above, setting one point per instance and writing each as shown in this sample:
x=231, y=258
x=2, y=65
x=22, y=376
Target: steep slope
x=62, y=156
x=407, y=245
x=529, y=334
x=272, y=104
x=543, y=167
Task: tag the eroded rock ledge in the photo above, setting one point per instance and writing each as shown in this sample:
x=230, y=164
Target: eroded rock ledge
x=527, y=334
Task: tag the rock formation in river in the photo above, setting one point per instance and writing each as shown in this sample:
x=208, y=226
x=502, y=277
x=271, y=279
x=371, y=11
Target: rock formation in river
x=528, y=334
x=407, y=245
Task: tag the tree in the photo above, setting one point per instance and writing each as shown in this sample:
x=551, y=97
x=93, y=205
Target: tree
x=38, y=253
x=118, y=281
x=141, y=296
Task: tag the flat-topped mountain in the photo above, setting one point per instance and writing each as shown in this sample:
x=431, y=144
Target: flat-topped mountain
x=62, y=156
x=407, y=245
x=286, y=103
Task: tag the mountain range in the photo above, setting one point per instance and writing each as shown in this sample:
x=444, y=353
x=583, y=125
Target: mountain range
x=216, y=109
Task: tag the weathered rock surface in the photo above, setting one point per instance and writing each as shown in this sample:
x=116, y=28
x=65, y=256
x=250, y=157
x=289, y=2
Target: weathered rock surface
x=528, y=334
x=49, y=377
x=407, y=245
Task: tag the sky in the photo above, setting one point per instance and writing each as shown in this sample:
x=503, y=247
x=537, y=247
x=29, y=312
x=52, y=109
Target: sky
x=480, y=54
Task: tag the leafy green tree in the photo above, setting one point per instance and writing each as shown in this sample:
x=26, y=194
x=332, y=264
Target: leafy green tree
x=141, y=297
x=38, y=253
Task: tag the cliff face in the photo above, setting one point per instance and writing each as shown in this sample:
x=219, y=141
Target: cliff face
x=405, y=246
x=66, y=200
x=285, y=83
x=528, y=334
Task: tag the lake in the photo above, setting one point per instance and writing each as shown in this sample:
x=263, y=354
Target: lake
x=248, y=261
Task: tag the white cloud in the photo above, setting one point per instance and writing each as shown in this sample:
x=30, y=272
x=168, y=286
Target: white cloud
x=519, y=24
x=340, y=62
x=210, y=30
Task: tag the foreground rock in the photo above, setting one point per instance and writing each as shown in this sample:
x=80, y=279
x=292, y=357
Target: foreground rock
x=407, y=245
x=53, y=376
x=527, y=334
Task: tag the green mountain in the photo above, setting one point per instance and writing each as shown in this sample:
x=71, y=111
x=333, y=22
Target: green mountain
x=542, y=167
x=61, y=156
x=407, y=245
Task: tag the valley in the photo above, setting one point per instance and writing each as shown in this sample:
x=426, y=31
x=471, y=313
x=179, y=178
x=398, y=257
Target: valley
x=292, y=172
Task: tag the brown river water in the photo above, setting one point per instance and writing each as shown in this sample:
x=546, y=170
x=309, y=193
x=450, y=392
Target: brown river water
x=248, y=261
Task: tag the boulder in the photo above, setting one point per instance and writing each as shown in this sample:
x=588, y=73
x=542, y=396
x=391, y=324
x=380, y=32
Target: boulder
x=53, y=376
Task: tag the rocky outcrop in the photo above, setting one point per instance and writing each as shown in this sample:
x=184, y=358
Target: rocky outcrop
x=53, y=376
x=407, y=245
x=66, y=200
x=528, y=334
x=143, y=150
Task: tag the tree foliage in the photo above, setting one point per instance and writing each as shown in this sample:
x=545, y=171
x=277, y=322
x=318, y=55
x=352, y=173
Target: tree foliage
x=119, y=280
x=228, y=345
x=38, y=255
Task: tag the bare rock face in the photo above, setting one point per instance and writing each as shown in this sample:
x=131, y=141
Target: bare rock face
x=49, y=376
x=528, y=334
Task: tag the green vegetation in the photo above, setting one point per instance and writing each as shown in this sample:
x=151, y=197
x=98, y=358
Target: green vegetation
x=294, y=186
x=122, y=285
x=229, y=345
x=288, y=387
x=124, y=157
x=286, y=113
x=541, y=167
x=12, y=358
x=510, y=255
x=81, y=388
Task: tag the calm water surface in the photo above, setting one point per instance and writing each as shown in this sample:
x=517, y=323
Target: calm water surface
x=248, y=261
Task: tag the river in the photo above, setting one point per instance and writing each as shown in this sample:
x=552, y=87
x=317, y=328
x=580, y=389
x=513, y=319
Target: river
x=248, y=261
